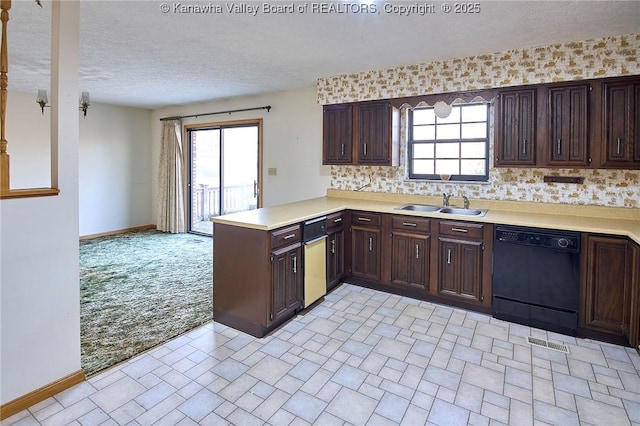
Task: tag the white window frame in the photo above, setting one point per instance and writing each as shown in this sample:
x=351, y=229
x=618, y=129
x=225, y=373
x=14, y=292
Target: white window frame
x=412, y=143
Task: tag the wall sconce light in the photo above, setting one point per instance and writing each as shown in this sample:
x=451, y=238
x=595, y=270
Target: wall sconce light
x=84, y=103
x=442, y=109
x=42, y=100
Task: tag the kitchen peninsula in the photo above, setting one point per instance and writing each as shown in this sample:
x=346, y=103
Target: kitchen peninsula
x=254, y=295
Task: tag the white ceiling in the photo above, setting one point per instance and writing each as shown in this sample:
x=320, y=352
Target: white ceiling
x=131, y=53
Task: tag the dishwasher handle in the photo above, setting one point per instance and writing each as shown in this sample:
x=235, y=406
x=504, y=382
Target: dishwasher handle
x=315, y=240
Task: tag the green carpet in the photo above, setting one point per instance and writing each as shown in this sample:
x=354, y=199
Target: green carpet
x=139, y=289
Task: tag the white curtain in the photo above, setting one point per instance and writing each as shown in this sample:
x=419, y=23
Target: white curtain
x=171, y=179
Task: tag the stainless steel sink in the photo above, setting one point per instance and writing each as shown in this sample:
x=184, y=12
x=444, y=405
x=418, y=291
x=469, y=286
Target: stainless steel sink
x=465, y=212
x=419, y=208
x=444, y=210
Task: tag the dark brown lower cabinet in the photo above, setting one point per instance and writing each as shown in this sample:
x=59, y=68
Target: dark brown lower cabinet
x=463, y=264
x=257, y=277
x=460, y=267
x=410, y=261
x=335, y=259
x=286, y=282
x=366, y=253
x=634, y=327
x=606, y=293
x=410, y=252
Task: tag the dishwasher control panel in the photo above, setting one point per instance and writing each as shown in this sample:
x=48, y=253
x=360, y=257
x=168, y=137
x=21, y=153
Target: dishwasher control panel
x=560, y=240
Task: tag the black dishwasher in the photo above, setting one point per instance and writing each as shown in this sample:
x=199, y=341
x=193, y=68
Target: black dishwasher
x=536, y=277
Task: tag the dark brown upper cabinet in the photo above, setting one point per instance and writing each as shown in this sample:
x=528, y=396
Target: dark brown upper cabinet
x=567, y=141
x=581, y=124
x=515, y=128
x=337, y=128
x=620, y=131
x=377, y=139
x=361, y=133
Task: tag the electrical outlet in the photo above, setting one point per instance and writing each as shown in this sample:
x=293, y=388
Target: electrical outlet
x=272, y=171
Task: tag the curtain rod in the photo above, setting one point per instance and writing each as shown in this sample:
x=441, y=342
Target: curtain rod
x=180, y=117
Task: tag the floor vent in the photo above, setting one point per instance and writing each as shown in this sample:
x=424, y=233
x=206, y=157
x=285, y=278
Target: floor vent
x=549, y=345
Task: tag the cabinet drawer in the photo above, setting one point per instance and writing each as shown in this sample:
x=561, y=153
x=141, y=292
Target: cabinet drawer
x=461, y=229
x=285, y=236
x=410, y=223
x=366, y=218
x=335, y=221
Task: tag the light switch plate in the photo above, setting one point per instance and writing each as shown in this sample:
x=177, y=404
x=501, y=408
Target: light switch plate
x=272, y=171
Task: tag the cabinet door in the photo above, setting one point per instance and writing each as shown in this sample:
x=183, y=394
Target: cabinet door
x=448, y=269
x=410, y=260
x=365, y=253
x=606, y=289
x=337, y=134
x=621, y=131
x=374, y=123
x=635, y=123
x=515, y=128
x=460, y=269
x=335, y=259
x=286, y=281
x=634, y=325
x=470, y=264
x=568, y=142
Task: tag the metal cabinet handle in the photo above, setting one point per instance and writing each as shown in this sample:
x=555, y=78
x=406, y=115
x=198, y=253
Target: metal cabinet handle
x=619, y=149
x=255, y=189
x=448, y=256
x=524, y=147
x=370, y=244
x=338, y=220
x=364, y=219
x=295, y=264
x=365, y=149
x=333, y=246
x=459, y=230
x=342, y=149
x=559, y=146
x=409, y=224
x=417, y=251
x=288, y=237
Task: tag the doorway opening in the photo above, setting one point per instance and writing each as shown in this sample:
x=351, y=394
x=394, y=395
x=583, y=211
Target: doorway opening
x=225, y=166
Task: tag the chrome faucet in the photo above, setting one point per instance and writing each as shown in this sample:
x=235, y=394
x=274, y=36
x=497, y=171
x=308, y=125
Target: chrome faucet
x=445, y=199
x=465, y=200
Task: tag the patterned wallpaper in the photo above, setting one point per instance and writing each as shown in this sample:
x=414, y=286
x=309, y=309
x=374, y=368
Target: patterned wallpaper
x=607, y=57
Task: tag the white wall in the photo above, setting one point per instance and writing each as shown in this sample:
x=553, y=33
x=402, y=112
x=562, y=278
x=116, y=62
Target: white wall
x=29, y=141
x=292, y=136
x=39, y=285
x=114, y=161
x=115, y=169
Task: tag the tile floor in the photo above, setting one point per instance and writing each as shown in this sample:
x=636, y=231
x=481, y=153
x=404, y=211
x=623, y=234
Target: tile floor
x=361, y=357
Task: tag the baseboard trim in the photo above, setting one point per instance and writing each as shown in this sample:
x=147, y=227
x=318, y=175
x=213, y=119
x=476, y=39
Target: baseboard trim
x=38, y=395
x=119, y=231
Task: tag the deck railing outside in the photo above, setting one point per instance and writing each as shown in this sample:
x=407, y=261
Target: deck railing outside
x=236, y=198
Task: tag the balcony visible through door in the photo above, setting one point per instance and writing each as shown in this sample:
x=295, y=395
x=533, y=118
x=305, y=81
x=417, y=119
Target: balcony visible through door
x=224, y=171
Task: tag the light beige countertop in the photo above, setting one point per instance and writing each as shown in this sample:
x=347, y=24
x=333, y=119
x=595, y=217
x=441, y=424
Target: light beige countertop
x=596, y=219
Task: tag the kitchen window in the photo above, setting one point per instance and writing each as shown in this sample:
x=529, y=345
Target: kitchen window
x=452, y=148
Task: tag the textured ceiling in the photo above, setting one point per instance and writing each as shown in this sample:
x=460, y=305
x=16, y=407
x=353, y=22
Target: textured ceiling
x=131, y=53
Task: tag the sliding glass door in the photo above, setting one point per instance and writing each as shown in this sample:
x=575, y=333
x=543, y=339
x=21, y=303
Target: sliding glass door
x=225, y=170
